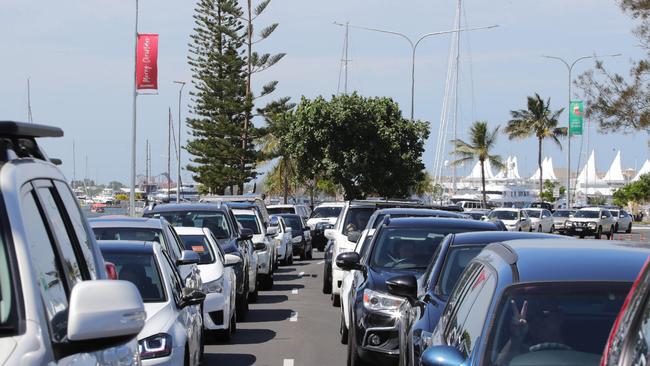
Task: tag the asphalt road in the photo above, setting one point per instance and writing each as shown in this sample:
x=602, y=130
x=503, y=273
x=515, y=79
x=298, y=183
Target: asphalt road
x=292, y=325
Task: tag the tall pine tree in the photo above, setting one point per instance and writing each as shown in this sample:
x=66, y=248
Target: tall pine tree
x=220, y=106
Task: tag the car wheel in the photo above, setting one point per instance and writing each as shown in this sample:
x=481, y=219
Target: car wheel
x=186, y=356
x=552, y=229
x=610, y=236
x=241, y=307
x=291, y=258
x=353, y=356
x=629, y=228
x=343, y=330
x=303, y=254
x=616, y=228
x=336, y=300
x=327, y=281
x=599, y=232
x=267, y=282
x=309, y=253
x=252, y=297
x=519, y=229
x=201, y=346
x=539, y=229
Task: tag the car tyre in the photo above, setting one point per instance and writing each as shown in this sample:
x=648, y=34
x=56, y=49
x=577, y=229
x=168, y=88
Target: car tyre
x=303, y=254
x=327, y=282
x=336, y=300
x=186, y=356
x=353, y=356
x=552, y=229
x=252, y=297
x=610, y=236
x=599, y=233
x=343, y=330
x=629, y=229
x=241, y=306
x=616, y=228
x=539, y=229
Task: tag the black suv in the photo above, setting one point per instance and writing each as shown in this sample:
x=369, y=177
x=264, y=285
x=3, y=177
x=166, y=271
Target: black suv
x=401, y=246
x=220, y=219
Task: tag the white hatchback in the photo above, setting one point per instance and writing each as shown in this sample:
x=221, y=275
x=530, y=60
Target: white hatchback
x=218, y=277
x=513, y=218
x=172, y=334
x=541, y=220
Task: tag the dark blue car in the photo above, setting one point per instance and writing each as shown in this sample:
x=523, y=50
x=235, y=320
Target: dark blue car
x=535, y=302
x=401, y=246
x=449, y=261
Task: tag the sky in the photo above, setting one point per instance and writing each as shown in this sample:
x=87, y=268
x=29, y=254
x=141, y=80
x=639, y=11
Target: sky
x=78, y=55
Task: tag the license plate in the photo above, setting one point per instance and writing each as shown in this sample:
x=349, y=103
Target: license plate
x=578, y=229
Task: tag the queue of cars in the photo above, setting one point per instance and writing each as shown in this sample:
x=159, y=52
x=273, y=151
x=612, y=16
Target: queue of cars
x=421, y=290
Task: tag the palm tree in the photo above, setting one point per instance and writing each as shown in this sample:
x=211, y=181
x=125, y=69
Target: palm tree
x=539, y=121
x=482, y=143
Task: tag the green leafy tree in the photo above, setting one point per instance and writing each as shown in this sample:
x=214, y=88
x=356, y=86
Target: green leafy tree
x=537, y=120
x=616, y=102
x=549, y=187
x=362, y=144
x=482, y=142
x=637, y=192
x=219, y=105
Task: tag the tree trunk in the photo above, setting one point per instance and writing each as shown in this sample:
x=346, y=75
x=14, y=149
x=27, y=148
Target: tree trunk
x=483, y=183
x=247, y=116
x=539, y=164
x=311, y=194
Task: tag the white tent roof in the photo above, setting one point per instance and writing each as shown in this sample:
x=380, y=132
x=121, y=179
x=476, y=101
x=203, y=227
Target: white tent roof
x=645, y=169
x=513, y=171
x=503, y=173
x=588, y=177
x=475, y=174
x=488, y=170
x=615, y=172
x=548, y=173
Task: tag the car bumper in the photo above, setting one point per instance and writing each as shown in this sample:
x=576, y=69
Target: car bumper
x=580, y=231
x=337, y=279
x=216, y=311
x=176, y=358
x=263, y=262
x=281, y=251
x=386, y=327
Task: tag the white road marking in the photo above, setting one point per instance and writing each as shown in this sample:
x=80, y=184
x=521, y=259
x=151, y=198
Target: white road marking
x=294, y=291
x=294, y=317
x=287, y=362
x=301, y=274
x=321, y=262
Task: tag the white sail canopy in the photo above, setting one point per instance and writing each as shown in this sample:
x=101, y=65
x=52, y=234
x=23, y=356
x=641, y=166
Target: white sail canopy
x=488, y=170
x=587, y=176
x=513, y=171
x=615, y=172
x=645, y=169
x=548, y=173
x=503, y=173
x=475, y=174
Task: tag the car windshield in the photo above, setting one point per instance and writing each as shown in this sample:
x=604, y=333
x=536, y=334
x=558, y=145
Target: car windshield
x=7, y=295
x=614, y=212
x=407, y=248
x=563, y=213
x=200, y=245
x=503, y=215
x=281, y=210
x=534, y=213
x=325, y=212
x=141, y=270
x=357, y=219
x=294, y=223
x=476, y=215
x=565, y=323
x=215, y=221
x=586, y=214
x=457, y=259
x=249, y=222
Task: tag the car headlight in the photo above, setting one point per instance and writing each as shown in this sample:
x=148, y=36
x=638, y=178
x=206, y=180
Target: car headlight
x=213, y=286
x=278, y=243
x=592, y=225
x=296, y=239
x=381, y=302
x=568, y=223
x=159, y=345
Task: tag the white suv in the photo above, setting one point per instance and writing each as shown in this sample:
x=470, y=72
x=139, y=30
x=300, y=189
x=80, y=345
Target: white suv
x=591, y=221
x=57, y=304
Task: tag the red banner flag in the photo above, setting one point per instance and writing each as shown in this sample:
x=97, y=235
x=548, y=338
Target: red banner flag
x=146, y=74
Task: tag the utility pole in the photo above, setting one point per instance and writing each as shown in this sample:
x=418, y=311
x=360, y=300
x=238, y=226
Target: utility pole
x=457, y=35
x=74, y=164
x=178, y=175
x=134, y=123
x=169, y=153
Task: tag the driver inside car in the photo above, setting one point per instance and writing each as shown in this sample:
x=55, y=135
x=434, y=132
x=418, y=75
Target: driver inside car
x=536, y=327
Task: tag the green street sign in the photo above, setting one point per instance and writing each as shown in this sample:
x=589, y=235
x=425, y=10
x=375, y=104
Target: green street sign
x=576, y=113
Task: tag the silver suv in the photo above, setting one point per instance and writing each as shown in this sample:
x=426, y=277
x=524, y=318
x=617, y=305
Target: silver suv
x=57, y=304
x=591, y=221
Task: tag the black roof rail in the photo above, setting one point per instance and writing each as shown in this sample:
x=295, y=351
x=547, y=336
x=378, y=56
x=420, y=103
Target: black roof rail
x=22, y=129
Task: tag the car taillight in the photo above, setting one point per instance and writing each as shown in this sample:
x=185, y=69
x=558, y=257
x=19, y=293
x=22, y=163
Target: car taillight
x=111, y=271
x=626, y=304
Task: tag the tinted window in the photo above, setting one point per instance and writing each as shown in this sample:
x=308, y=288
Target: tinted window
x=169, y=272
x=562, y=213
x=356, y=219
x=638, y=346
x=141, y=270
x=406, y=248
x=79, y=225
x=48, y=274
x=474, y=310
x=503, y=215
x=7, y=292
x=587, y=214
x=215, y=221
x=577, y=316
x=281, y=210
x=200, y=245
x=294, y=223
x=249, y=222
x=71, y=267
x=457, y=259
x=533, y=213
x=326, y=212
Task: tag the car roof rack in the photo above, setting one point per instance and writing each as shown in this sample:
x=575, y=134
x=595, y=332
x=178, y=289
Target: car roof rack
x=18, y=140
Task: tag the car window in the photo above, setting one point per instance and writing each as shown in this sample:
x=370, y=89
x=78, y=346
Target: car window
x=436, y=255
x=72, y=265
x=213, y=220
x=448, y=318
x=638, y=346
x=200, y=245
x=281, y=210
x=169, y=272
x=249, y=222
x=8, y=294
x=48, y=275
x=131, y=233
x=176, y=245
x=356, y=219
x=79, y=225
x=325, y=212
x=457, y=260
x=141, y=270
x=219, y=252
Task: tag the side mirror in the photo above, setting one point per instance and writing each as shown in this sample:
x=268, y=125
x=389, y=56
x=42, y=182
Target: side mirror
x=258, y=247
x=330, y=234
x=104, y=312
x=442, y=356
x=191, y=296
x=404, y=286
x=348, y=261
x=354, y=236
x=188, y=257
x=245, y=234
x=272, y=231
x=231, y=260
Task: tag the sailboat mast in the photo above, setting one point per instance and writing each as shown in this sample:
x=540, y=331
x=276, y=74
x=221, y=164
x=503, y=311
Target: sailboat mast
x=457, y=35
x=74, y=165
x=30, y=118
x=169, y=153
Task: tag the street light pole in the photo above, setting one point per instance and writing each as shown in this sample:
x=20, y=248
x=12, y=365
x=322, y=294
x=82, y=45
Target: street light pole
x=568, y=154
x=178, y=176
x=414, y=45
x=134, y=123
